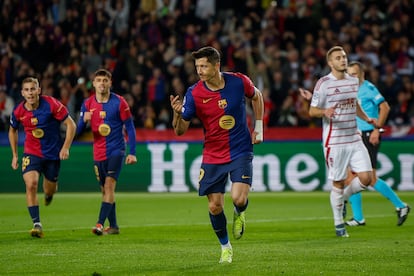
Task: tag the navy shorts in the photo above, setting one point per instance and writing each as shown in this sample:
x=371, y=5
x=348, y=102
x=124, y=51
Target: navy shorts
x=214, y=177
x=109, y=167
x=49, y=168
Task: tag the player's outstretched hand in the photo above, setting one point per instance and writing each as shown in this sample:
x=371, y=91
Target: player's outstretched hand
x=305, y=93
x=176, y=104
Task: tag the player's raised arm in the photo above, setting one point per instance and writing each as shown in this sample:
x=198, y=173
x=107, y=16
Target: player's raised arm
x=179, y=124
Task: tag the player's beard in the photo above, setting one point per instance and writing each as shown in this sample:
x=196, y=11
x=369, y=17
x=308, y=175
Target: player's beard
x=340, y=69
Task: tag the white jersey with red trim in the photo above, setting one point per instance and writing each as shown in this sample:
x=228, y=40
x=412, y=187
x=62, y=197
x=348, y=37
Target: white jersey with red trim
x=341, y=129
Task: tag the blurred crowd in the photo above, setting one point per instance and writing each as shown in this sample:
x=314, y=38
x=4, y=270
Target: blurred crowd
x=146, y=44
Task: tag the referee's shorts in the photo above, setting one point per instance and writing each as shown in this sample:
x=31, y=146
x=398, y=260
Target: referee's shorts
x=372, y=149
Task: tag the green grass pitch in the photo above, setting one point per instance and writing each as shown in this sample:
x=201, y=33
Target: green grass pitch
x=287, y=233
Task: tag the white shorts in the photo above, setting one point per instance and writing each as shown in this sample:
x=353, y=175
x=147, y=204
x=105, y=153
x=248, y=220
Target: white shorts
x=339, y=159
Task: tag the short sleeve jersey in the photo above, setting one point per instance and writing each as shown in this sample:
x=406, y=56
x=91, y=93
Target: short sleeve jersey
x=41, y=127
x=107, y=124
x=341, y=130
x=369, y=98
x=223, y=116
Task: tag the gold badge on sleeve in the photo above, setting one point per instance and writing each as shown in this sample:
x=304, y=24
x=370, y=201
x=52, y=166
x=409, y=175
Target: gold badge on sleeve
x=104, y=129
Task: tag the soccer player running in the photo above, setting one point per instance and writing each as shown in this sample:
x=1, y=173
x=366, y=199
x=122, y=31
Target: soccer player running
x=334, y=100
x=218, y=99
x=375, y=106
x=108, y=113
x=41, y=117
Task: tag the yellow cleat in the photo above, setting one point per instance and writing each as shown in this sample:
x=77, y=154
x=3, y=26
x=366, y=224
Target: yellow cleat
x=239, y=224
x=226, y=255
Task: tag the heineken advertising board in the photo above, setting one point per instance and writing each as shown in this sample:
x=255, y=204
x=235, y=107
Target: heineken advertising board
x=174, y=167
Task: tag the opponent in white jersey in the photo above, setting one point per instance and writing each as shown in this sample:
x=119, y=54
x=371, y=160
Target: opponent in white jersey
x=335, y=101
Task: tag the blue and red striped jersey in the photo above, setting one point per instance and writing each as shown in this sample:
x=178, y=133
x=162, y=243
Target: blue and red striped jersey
x=107, y=123
x=41, y=127
x=223, y=116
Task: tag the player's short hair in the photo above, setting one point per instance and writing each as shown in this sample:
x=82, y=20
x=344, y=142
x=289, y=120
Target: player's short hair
x=211, y=53
x=103, y=73
x=332, y=50
x=31, y=80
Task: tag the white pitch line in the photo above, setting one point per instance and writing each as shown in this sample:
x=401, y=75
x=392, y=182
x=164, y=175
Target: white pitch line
x=123, y=226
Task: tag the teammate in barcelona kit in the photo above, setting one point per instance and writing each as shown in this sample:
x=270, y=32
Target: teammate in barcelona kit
x=218, y=99
x=108, y=113
x=335, y=101
x=41, y=118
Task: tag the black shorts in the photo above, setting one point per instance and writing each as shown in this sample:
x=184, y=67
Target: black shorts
x=372, y=149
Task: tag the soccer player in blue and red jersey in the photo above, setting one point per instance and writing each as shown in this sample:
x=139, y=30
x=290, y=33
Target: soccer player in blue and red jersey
x=108, y=113
x=41, y=118
x=218, y=99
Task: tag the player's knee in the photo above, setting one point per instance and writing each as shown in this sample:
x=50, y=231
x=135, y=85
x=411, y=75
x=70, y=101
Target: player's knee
x=31, y=186
x=240, y=201
x=215, y=208
x=366, y=180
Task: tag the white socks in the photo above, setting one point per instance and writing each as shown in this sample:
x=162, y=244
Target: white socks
x=354, y=187
x=337, y=204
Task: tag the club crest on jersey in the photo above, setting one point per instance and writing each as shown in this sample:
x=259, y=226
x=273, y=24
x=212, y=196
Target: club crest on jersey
x=102, y=114
x=34, y=121
x=227, y=122
x=222, y=103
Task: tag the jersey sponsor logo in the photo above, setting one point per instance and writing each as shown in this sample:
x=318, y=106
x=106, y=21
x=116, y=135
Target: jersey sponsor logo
x=38, y=133
x=222, y=103
x=348, y=104
x=227, y=122
x=92, y=110
x=102, y=114
x=337, y=91
x=245, y=176
x=207, y=100
x=104, y=129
